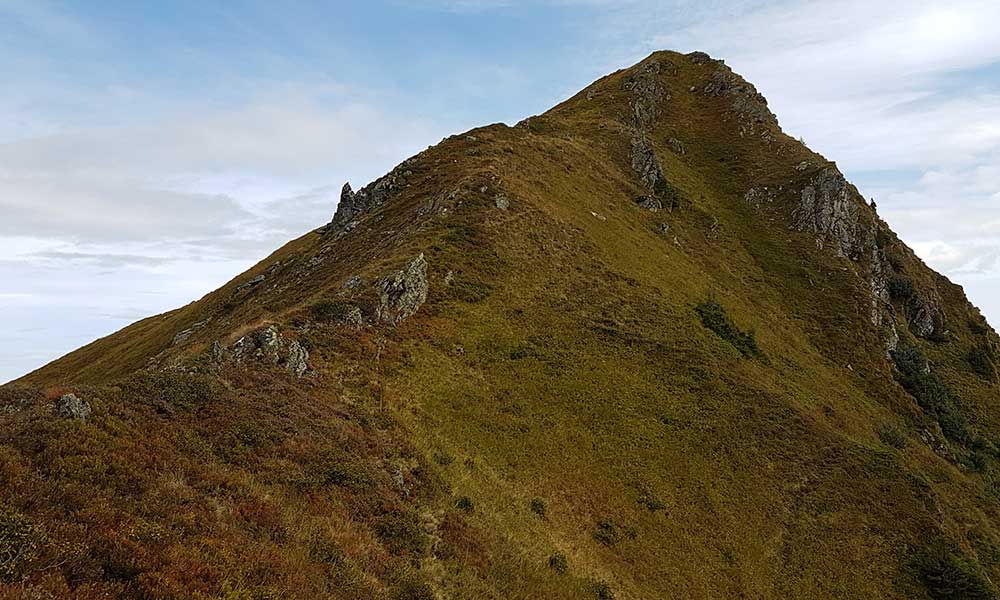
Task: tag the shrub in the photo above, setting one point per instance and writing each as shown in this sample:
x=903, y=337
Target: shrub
x=537, y=506
x=602, y=591
x=900, y=288
x=982, y=359
x=469, y=291
x=20, y=541
x=930, y=392
x=558, y=563
x=948, y=575
x=465, y=504
x=401, y=532
x=649, y=499
x=609, y=533
x=714, y=317
x=329, y=311
x=890, y=435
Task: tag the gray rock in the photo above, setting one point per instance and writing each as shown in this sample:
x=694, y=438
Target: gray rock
x=69, y=406
x=267, y=346
x=676, y=146
x=502, y=202
x=297, y=359
x=828, y=208
x=182, y=336
x=645, y=164
x=354, y=318
x=649, y=203
x=259, y=279
x=647, y=92
x=352, y=283
x=402, y=293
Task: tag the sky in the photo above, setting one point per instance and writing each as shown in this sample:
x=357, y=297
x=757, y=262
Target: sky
x=150, y=151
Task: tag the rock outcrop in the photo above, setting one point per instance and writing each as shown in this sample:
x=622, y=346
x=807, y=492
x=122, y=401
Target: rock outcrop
x=355, y=204
x=69, y=406
x=266, y=346
x=749, y=104
x=402, y=293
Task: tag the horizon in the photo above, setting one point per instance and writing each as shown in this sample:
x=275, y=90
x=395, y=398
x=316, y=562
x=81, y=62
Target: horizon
x=151, y=155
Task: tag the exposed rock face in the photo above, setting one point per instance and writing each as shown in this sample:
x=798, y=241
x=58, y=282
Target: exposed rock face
x=925, y=314
x=647, y=92
x=268, y=346
x=69, y=406
x=747, y=102
x=644, y=163
x=649, y=203
x=353, y=205
x=827, y=208
x=402, y=293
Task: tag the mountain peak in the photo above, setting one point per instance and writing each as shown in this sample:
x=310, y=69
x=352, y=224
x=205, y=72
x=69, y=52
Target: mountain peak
x=643, y=345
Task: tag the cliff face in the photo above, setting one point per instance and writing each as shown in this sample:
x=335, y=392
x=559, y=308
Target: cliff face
x=644, y=345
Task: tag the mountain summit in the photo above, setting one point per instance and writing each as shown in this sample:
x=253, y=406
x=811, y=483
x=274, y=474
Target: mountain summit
x=644, y=345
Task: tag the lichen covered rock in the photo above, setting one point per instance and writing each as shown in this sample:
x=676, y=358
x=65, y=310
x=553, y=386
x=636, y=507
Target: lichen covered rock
x=268, y=346
x=402, y=293
x=69, y=406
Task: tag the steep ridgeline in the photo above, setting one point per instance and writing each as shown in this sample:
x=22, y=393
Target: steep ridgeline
x=644, y=345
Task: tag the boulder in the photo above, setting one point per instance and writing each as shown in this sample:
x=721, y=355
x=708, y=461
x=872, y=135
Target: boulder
x=268, y=346
x=69, y=406
x=402, y=293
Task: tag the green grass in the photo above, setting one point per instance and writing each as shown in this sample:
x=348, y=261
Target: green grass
x=566, y=417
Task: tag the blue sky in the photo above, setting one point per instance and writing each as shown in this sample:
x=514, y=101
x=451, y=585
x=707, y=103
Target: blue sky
x=149, y=151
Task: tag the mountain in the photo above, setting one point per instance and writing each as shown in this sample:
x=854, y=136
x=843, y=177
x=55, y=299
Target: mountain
x=644, y=345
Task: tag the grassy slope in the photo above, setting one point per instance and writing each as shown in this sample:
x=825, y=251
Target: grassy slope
x=565, y=364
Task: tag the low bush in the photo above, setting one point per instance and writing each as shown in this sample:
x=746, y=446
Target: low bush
x=558, y=563
x=402, y=533
x=982, y=358
x=329, y=311
x=890, y=435
x=537, y=506
x=714, y=317
x=20, y=541
x=900, y=288
x=465, y=504
x=949, y=575
x=930, y=392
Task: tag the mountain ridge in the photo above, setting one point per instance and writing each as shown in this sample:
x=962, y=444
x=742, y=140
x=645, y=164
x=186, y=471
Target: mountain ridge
x=642, y=345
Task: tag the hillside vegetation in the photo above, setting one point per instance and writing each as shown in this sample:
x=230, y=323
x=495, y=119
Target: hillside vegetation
x=644, y=345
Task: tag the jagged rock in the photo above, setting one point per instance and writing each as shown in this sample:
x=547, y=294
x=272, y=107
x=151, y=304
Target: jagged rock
x=647, y=92
x=297, y=359
x=699, y=58
x=268, y=346
x=828, y=209
x=69, y=406
x=353, y=205
x=259, y=279
x=353, y=282
x=645, y=164
x=354, y=318
x=750, y=104
x=182, y=336
x=676, y=146
x=649, y=203
x=924, y=316
x=402, y=293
